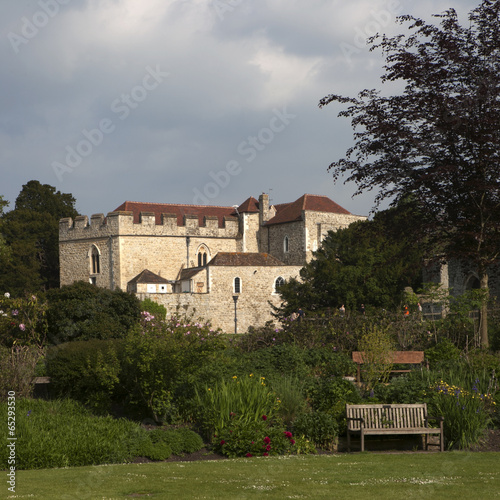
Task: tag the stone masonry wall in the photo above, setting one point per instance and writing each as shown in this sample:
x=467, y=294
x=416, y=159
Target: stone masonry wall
x=257, y=288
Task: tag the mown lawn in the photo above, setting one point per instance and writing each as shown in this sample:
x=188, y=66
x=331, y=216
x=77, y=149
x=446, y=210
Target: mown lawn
x=344, y=476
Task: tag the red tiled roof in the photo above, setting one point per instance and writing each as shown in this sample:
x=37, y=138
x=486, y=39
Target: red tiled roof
x=291, y=212
x=244, y=259
x=249, y=205
x=180, y=210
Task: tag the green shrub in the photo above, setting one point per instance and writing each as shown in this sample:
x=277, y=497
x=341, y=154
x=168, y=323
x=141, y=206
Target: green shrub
x=442, y=354
x=242, y=439
x=179, y=441
x=87, y=371
x=82, y=311
x=157, y=310
x=64, y=434
x=319, y=427
x=162, y=362
x=331, y=395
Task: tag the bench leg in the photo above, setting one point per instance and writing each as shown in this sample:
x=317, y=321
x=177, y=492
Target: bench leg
x=348, y=441
x=362, y=441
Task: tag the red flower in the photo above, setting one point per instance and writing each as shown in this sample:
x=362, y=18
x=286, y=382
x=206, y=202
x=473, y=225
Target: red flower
x=267, y=440
x=288, y=434
x=268, y=447
x=292, y=441
x=264, y=417
x=248, y=455
x=222, y=442
x=265, y=454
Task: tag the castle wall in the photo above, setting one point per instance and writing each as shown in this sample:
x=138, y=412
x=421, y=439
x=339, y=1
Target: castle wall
x=257, y=289
x=126, y=248
x=317, y=225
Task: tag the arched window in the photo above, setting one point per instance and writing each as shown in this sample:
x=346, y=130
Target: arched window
x=285, y=245
x=202, y=256
x=95, y=260
x=278, y=283
x=237, y=285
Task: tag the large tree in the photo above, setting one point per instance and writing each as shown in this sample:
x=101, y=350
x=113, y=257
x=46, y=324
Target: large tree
x=438, y=138
x=31, y=232
x=370, y=262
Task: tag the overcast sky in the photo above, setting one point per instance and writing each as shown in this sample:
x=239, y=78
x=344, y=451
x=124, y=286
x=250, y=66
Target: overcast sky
x=186, y=101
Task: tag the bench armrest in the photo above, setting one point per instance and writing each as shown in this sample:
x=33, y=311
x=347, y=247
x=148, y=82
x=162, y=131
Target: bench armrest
x=437, y=419
x=361, y=419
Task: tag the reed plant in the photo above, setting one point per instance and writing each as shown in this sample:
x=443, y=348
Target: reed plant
x=245, y=399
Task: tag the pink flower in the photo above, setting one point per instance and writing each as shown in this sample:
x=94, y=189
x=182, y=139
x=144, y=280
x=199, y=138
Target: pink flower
x=22, y=327
x=15, y=312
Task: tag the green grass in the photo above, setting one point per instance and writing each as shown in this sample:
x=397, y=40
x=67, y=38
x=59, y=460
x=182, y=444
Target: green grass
x=344, y=476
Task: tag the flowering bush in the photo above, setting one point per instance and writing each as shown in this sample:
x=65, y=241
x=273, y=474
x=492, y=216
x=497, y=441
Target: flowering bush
x=22, y=320
x=162, y=361
x=258, y=438
x=466, y=413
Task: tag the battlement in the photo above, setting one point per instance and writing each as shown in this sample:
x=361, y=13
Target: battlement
x=122, y=224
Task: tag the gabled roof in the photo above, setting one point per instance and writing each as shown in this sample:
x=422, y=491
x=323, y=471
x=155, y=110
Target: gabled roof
x=147, y=276
x=180, y=210
x=244, y=259
x=291, y=212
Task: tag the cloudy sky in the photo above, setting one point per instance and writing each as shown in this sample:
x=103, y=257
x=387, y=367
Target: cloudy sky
x=186, y=101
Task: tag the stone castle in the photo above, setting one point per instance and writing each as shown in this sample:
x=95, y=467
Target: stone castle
x=223, y=264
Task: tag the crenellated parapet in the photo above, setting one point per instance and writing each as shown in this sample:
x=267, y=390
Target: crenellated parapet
x=122, y=224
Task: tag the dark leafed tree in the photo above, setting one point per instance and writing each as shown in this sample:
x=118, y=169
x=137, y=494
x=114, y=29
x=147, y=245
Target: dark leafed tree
x=437, y=140
x=31, y=232
x=369, y=262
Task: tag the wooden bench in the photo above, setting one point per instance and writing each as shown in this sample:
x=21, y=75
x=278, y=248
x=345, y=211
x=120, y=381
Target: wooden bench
x=396, y=358
x=396, y=419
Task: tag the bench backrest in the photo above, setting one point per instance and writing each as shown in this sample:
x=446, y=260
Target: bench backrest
x=396, y=357
x=380, y=416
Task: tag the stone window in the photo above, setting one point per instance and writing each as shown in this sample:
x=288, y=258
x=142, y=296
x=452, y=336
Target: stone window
x=279, y=282
x=237, y=285
x=286, y=245
x=202, y=256
x=95, y=260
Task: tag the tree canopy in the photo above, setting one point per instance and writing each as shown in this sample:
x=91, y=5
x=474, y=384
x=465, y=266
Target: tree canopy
x=31, y=234
x=370, y=262
x=438, y=140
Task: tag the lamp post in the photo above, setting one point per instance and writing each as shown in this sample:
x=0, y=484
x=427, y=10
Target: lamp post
x=235, y=298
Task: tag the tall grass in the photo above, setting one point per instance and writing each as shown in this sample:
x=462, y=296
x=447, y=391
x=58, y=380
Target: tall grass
x=243, y=399
x=64, y=434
